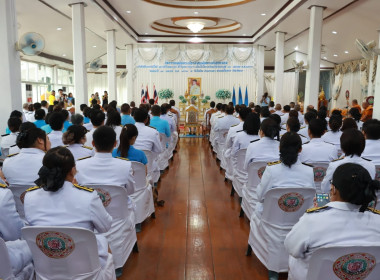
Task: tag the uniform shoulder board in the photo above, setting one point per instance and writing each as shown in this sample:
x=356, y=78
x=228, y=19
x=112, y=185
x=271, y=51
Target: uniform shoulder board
x=65, y=146
x=87, y=147
x=220, y=117
x=33, y=189
x=239, y=131
x=366, y=159
x=338, y=159
x=152, y=127
x=307, y=164
x=301, y=135
x=4, y=135
x=83, y=188
x=373, y=210
x=121, y=126
x=254, y=140
x=318, y=209
x=306, y=143
x=12, y=155
x=83, y=158
x=274, y=163
x=123, y=158
x=235, y=125
x=13, y=145
x=4, y=186
x=328, y=143
x=302, y=127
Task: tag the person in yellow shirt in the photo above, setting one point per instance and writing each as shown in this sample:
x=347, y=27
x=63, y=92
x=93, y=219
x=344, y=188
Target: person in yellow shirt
x=92, y=97
x=52, y=97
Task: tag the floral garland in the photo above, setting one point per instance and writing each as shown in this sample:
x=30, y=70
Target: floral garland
x=223, y=94
x=165, y=93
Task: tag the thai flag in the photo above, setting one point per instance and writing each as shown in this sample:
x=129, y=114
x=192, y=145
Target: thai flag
x=142, y=95
x=146, y=94
x=155, y=95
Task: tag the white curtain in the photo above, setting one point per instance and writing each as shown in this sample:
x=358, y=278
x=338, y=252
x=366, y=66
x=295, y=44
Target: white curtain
x=269, y=83
x=351, y=82
x=97, y=82
x=290, y=86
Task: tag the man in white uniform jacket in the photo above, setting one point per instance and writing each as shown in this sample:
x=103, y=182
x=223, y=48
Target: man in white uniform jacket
x=8, y=140
x=225, y=123
x=316, y=150
x=371, y=131
x=97, y=118
x=56, y=121
x=352, y=143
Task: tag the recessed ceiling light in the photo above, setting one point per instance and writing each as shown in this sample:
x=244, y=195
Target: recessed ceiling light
x=59, y=28
x=244, y=34
x=128, y=12
x=146, y=33
x=335, y=55
x=64, y=55
x=195, y=40
x=324, y=57
x=334, y=32
x=263, y=14
x=196, y=13
x=346, y=52
x=296, y=48
x=94, y=46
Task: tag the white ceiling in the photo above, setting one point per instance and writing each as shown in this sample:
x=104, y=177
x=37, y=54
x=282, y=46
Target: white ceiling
x=359, y=20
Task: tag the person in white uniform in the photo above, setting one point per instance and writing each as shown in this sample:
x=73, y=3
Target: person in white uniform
x=97, y=118
x=278, y=110
x=213, y=119
x=8, y=140
x=352, y=143
x=345, y=221
x=172, y=104
x=371, y=131
x=293, y=125
x=74, y=138
x=249, y=133
x=10, y=231
x=355, y=114
x=102, y=168
x=285, y=116
x=22, y=168
x=333, y=136
x=56, y=121
x=297, y=108
x=57, y=201
x=223, y=124
x=317, y=150
x=304, y=131
x=114, y=121
x=265, y=149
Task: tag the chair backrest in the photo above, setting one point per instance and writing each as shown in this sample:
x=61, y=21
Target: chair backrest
x=255, y=172
x=115, y=200
x=222, y=137
x=164, y=140
x=239, y=163
x=345, y=262
x=139, y=175
x=4, y=152
x=377, y=177
x=19, y=192
x=5, y=263
x=150, y=157
x=283, y=206
x=63, y=252
x=191, y=116
x=319, y=169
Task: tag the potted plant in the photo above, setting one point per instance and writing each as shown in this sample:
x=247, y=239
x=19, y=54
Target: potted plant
x=223, y=94
x=165, y=94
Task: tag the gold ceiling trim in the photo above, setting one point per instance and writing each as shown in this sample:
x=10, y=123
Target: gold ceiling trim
x=154, y=2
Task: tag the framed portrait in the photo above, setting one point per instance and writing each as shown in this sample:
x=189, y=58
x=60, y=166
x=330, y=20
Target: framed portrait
x=194, y=86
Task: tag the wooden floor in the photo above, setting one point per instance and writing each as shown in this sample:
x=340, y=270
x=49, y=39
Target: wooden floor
x=197, y=234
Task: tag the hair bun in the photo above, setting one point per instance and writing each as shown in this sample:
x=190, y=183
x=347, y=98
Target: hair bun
x=51, y=179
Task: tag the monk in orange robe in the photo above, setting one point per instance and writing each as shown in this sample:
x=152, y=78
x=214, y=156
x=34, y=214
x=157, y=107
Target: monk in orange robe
x=367, y=111
x=355, y=104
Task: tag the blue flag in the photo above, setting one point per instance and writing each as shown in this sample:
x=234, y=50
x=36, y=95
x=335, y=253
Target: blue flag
x=233, y=96
x=240, y=96
x=246, y=96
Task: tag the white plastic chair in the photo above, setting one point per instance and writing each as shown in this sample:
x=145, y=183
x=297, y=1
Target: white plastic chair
x=65, y=253
x=220, y=143
x=345, y=262
x=122, y=235
x=5, y=263
x=282, y=208
x=249, y=198
x=229, y=173
x=163, y=157
x=240, y=173
x=319, y=169
x=143, y=195
x=4, y=153
x=152, y=166
x=19, y=192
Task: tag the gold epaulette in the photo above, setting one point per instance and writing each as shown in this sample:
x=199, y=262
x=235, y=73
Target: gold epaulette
x=303, y=127
x=152, y=127
x=373, y=210
x=12, y=155
x=32, y=189
x=4, y=186
x=316, y=209
x=87, y=147
x=338, y=159
x=274, y=163
x=220, y=117
x=234, y=125
x=83, y=158
x=83, y=188
x=122, y=158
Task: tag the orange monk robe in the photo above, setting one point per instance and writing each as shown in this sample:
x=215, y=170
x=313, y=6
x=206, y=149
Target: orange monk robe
x=367, y=114
x=358, y=107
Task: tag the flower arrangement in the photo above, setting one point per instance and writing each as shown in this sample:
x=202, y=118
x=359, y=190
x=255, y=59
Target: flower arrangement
x=204, y=101
x=165, y=93
x=183, y=101
x=223, y=94
x=207, y=97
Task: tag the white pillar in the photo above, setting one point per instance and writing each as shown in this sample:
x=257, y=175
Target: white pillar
x=129, y=79
x=279, y=67
x=111, y=65
x=314, y=56
x=376, y=104
x=10, y=67
x=79, y=54
x=370, y=84
x=260, y=73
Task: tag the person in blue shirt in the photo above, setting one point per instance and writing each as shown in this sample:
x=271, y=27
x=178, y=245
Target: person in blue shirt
x=161, y=125
x=39, y=115
x=128, y=137
x=47, y=127
x=265, y=99
x=14, y=114
x=126, y=115
x=66, y=124
x=86, y=115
